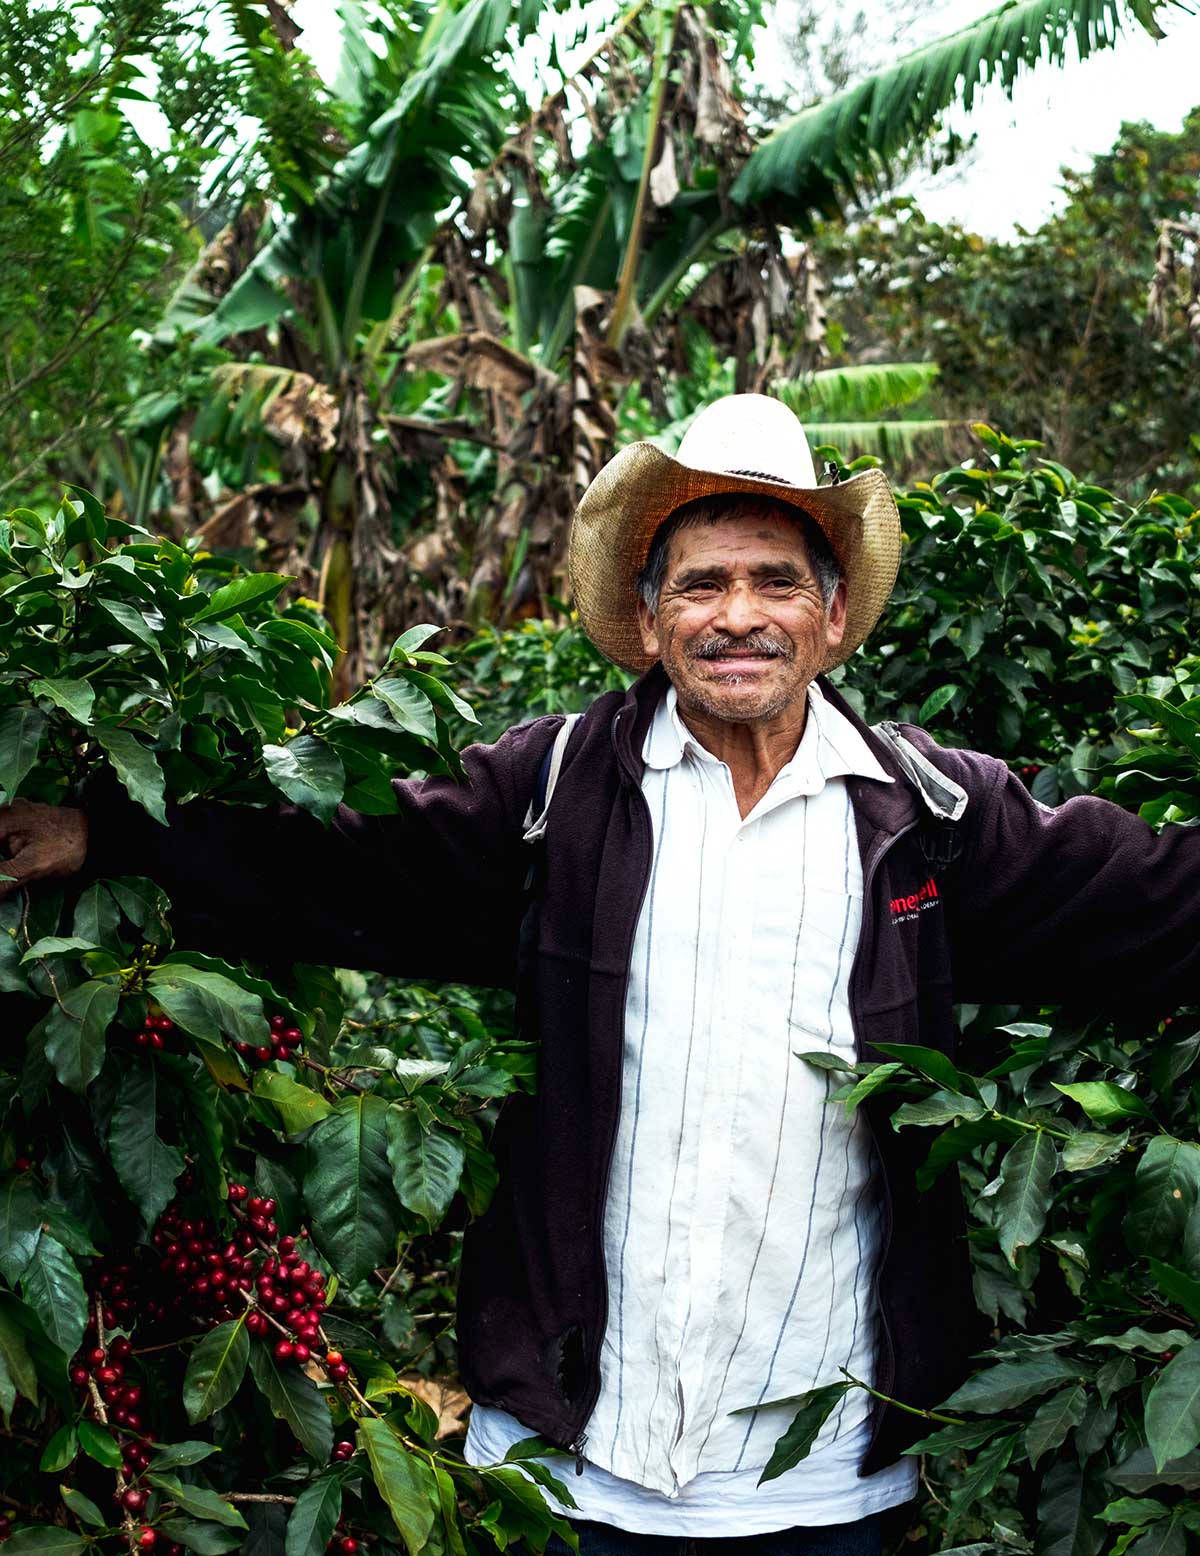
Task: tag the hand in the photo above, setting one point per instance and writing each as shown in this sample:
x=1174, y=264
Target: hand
x=42, y=842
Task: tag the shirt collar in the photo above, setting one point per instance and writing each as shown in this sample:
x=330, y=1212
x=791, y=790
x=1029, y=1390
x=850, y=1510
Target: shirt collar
x=830, y=747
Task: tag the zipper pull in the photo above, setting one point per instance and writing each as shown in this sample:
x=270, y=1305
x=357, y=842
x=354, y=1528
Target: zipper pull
x=577, y=1448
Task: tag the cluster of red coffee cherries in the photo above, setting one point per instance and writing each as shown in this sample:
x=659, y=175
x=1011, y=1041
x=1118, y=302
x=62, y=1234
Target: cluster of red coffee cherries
x=105, y=1366
x=5, y=1527
x=285, y=1041
x=254, y=1271
x=124, y=1297
x=213, y=1271
x=1029, y=773
x=290, y=1292
x=155, y=1033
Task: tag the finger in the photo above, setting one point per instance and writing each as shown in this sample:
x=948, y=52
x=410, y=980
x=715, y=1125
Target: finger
x=14, y=819
x=16, y=877
x=32, y=862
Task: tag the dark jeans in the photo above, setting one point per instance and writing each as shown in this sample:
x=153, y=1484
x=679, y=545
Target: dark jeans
x=862, y=1538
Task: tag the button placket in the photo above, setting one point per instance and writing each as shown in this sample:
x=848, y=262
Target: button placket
x=717, y=1144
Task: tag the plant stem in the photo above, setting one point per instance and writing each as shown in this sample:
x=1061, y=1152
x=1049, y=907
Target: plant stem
x=366, y=259
x=98, y=1406
x=912, y=1410
x=1004, y=1118
x=626, y=286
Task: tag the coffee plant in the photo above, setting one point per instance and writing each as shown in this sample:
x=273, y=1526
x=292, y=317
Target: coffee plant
x=535, y=668
x=222, y=1186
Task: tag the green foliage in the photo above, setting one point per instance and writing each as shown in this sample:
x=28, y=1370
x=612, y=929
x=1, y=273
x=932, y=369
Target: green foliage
x=154, y=661
x=230, y=1196
x=115, y=174
x=864, y=127
x=855, y=392
x=538, y=667
x=1084, y=1258
x=1045, y=333
x=1027, y=602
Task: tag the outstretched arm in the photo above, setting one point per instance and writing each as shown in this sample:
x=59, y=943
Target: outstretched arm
x=1084, y=903
x=434, y=891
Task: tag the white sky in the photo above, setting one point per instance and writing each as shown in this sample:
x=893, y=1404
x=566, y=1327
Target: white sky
x=1060, y=117
x=1057, y=116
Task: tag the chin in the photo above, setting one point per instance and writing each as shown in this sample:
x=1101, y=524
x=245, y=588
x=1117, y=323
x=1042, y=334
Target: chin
x=739, y=701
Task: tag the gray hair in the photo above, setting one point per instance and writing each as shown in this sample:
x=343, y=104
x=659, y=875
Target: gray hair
x=737, y=505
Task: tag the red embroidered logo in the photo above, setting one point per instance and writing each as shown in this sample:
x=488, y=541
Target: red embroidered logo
x=916, y=902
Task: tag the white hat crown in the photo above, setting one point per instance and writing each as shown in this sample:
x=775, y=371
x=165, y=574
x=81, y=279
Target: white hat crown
x=751, y=435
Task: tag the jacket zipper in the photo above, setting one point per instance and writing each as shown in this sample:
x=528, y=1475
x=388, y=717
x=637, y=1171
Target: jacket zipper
x=888, y=1371
x=577, y=1444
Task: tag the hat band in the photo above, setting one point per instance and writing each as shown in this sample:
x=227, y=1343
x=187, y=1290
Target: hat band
x=765, y=475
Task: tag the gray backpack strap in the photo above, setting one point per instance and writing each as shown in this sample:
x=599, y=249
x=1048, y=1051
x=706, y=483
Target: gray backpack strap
x=538, y=812
x=940, y=838
x=944, y=798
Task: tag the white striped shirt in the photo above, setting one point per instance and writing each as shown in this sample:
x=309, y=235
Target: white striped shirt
x=741, y=1226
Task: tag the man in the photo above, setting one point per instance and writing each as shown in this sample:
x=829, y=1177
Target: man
x=735, y=871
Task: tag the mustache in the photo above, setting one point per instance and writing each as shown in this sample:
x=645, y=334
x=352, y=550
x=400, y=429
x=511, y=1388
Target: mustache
x=755, y=643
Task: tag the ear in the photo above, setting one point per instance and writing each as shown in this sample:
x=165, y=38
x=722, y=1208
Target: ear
x=835, y=624
x=648, y=627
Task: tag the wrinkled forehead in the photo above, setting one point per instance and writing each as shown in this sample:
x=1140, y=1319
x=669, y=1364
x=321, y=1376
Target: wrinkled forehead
x=750, y=540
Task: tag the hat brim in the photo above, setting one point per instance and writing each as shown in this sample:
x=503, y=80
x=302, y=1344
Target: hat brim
x=641, y=487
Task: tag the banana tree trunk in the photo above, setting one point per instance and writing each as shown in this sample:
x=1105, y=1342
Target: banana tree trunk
x=359, y=565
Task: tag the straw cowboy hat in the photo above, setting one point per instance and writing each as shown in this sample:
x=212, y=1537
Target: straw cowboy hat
x=741, y=443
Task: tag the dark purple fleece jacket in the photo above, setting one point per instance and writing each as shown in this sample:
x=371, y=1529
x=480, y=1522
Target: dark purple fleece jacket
x=1083, y=904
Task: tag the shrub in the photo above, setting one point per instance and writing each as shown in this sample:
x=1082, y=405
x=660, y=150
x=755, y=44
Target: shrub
x=214, y=1175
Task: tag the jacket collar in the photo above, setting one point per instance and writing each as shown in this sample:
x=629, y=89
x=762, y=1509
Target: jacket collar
x=886, y=807
x=830, y=748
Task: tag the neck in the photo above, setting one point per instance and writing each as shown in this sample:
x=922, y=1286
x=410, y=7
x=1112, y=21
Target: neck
x=753, y=752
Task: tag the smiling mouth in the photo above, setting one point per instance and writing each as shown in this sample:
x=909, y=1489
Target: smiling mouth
x=725, y=664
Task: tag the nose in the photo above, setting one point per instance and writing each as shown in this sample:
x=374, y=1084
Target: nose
x=740, y=611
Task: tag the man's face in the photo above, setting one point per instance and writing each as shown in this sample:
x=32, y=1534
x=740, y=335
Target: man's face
x=741, y=626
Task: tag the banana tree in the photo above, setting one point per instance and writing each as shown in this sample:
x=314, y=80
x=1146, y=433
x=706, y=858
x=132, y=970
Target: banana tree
x=870, y=408
x=481, y=334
